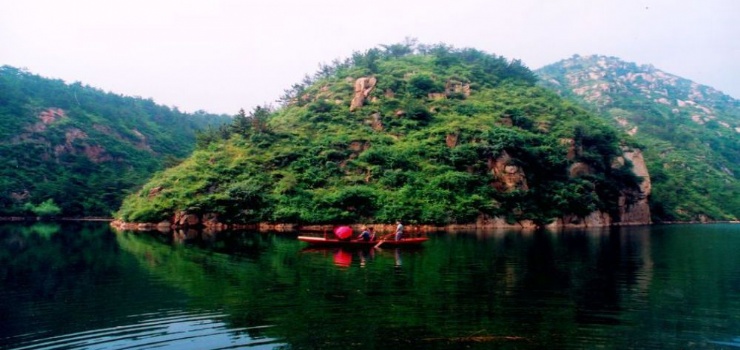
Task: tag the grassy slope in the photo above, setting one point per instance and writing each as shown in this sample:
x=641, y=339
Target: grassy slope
x=96, y=148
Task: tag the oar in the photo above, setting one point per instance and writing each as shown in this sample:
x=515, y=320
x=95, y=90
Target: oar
x=383, y=240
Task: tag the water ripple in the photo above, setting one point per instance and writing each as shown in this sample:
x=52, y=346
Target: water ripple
x=164, y=331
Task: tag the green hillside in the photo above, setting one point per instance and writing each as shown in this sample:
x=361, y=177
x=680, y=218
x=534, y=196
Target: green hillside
x=690, y=133
x=428, y=134
x=73, y=150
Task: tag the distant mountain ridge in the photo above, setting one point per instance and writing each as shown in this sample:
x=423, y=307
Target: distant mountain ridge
x=691, y=132
x=82, y=149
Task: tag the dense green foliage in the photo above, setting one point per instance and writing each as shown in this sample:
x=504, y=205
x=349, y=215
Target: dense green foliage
x=314, y=161
x=690, y=133
x=80, y=147
x=46, y=209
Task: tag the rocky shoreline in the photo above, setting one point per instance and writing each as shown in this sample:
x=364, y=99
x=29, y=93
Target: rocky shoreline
x=214, y=226
x=495, y=224
x=33, y=218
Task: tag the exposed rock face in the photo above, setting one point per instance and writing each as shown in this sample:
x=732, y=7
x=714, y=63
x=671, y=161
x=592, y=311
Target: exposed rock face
x=185, y=219
x=595, y=219
x=451, y=140
x=363, y=87
x=634, y=208
x=73, y=134
x=508, y=176
x=74, y=144
x=46, y=117
x=164, y=226
x=143, y=142
x=706, y=117
x=457, y=87
x=637, y=213
x=96, y=153
x=155, y=191
x=579, y=169
x=50, y=115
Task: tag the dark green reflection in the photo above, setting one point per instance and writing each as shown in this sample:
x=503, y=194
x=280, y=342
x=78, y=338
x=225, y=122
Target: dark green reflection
x=650, y=287
x=327, y=297
x=63, y=278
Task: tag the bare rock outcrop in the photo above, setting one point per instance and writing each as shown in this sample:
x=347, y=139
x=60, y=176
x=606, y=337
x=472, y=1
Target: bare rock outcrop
x=508, y=176
x=634, y=208
x=637, y=213
x=451, y=139
x=363, y=87
x=46, y=117
x=579, y=169
x=595, y=219
x=185, y=219
x=457, y=87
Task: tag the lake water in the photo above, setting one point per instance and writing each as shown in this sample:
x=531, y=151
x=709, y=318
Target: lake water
x=84, y=286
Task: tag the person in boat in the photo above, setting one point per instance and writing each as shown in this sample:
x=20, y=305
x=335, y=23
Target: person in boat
x=372, y=234
x=365, y=235
x=399, y=230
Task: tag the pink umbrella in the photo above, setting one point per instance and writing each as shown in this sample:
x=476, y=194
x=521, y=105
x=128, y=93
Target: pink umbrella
x=343, y=232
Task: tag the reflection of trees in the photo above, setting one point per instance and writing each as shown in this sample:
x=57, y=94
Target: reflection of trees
x=545, y=287
x=43, y=255
x=48, y=261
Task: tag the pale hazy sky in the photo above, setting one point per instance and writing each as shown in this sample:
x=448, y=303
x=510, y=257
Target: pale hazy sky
x=221, y=56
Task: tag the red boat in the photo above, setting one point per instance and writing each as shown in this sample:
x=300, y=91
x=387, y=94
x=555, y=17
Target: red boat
x=404, y=242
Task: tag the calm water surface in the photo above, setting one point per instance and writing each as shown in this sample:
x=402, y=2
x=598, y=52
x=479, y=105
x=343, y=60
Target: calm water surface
x=77, y=286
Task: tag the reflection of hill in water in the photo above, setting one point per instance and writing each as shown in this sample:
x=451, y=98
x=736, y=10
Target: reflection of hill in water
x=61, y=279
x=263, y=280
x=621, y=287
x=221, y=274
x=43, y=256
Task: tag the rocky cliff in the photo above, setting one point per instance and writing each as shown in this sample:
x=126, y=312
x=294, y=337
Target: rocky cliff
x=689, y=133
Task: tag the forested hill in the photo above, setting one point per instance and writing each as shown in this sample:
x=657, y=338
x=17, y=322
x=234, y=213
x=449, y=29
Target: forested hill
x=426, y=134
x=73, y=150
x=690, y=132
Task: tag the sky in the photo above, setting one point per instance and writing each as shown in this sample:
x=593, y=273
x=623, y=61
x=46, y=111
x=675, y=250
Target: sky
x=223, y=55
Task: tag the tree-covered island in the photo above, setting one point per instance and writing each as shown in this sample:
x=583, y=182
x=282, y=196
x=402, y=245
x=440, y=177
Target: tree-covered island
x=428, y=133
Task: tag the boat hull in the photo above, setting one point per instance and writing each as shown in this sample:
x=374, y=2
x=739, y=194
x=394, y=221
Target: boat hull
x=333, y=242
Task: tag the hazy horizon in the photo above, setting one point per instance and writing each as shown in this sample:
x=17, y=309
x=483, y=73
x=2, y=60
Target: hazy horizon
x=220, y=56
